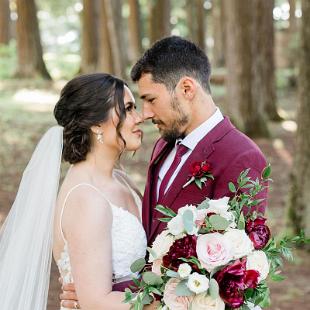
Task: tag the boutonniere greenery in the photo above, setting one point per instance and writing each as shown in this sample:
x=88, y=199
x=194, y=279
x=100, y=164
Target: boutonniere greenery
x=200, y=173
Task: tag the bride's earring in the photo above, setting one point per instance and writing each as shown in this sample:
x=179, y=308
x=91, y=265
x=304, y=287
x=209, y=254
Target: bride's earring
x=99, y=137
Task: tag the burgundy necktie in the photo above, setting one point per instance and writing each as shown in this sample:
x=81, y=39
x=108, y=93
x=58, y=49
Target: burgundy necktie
x=181, y=150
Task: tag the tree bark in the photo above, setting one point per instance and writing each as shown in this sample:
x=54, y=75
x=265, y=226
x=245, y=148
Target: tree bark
x=4, y=21
x=218, y=16
x=242, y=69
x=89, y=51
x=299, y=207
x=135, y=35
x=29, y=48
x=118, y=66
x=263, y=50
x=159, y=19
x=196, y=22
x=105, y=56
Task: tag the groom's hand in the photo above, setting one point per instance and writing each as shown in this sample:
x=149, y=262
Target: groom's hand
x=68, y=298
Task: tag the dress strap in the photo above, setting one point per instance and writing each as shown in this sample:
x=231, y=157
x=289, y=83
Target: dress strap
x=65, y=201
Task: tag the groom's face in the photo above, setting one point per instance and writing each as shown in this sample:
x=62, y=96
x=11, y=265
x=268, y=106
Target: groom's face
x=164, y=108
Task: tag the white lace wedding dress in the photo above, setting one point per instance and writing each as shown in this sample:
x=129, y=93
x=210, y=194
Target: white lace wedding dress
x=128, y=241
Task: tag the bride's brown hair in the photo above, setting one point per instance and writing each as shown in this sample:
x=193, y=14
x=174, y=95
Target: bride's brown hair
x=86, y=101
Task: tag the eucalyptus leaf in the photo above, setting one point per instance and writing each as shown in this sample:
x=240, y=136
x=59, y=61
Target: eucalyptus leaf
x=137, y=265
x=147, y=299
x=172, y=274
x=182, y=289
x=214, y=289
x=151, y=278
x=241, y=222
x=218, y=222
x=204, y=205
x=152, y=252
x=188, y=221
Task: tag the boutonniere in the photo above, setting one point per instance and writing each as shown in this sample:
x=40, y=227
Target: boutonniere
x=200, y=173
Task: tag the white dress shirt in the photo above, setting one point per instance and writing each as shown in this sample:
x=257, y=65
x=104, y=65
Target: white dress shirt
x=191, y=140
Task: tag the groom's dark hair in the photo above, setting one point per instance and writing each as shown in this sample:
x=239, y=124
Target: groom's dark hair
x=171, y=58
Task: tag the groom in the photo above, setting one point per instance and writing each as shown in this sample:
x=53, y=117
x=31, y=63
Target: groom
x=173, y=82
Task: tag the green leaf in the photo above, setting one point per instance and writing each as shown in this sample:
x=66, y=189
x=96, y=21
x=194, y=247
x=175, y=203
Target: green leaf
x=147, y=299
x=172, y=274
x=218, y=222
x=232, y=187
x=213, y=289
x=152, y=252
x=166, y=211
x=198, y=183
x=266, y=172
x=188, y=221
x=182, y=289
x=151, y=278
x=241, y=222
x=165, y=219
x=137, y=265
x=204, y=204
x=277, y=277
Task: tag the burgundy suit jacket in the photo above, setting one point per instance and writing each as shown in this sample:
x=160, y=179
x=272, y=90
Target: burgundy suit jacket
x=227, y=150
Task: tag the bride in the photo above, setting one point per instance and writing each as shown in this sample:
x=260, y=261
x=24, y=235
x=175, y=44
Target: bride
x=92, y=223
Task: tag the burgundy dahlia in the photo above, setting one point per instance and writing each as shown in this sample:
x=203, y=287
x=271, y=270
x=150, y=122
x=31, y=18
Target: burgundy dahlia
x=233, y=280
x=258, y=232
x=185, y=247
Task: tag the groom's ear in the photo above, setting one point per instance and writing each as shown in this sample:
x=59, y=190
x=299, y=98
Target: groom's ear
x=187, y=87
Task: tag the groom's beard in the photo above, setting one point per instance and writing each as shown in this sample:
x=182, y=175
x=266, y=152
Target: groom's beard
x=176, y=128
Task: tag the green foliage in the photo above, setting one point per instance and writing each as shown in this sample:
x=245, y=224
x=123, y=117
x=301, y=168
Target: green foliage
x=7, y=60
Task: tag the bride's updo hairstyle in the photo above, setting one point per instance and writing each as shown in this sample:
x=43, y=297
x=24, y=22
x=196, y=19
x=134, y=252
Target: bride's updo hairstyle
x=87, y=101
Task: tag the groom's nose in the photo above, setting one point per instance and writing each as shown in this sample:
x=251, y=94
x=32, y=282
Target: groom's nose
x=147, y=112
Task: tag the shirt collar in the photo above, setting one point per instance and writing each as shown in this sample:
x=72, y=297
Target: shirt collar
x=193, y=138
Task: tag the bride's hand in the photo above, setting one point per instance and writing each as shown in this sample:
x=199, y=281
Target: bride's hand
x=68, y=298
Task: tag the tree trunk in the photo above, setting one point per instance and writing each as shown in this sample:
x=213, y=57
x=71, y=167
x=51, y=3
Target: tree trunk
x=293, y=21
x=299, y=207
x=242, y=69
x=218, y=15
x=159, y=19
x=89, y=51
x=29, y=48
x=263, y=50
x=135, y=36
x=118, y=67
x=105, y=56
x=195, y=15
x=4, y=21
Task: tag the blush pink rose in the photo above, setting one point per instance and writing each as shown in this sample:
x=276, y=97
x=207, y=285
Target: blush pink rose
x=173, y=301
x=156, y=266
x=213, y=250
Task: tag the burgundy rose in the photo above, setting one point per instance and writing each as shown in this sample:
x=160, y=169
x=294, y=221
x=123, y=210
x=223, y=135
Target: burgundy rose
x=196, y=169
x=233, y=280
x=258, y=232
x=206, y=167
x=185, y=247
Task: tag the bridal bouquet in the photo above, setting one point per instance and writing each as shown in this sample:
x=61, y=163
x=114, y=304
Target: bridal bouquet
x=213, y=256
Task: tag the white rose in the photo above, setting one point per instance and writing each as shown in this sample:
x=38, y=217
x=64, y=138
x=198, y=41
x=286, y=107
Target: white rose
x=184, y=270
x=213, y=250
x=218, y=205
x=258, y=261
x=198, y=283
x=206, y=302
x=161, y=245
x=240, y=242
x=176, y=226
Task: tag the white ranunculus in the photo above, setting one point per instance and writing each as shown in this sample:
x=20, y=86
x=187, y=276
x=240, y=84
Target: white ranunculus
x=161, y=245
x=198, y=283
x=258, y=261
x=184, y=270
x=240, y=242
x=206, y=302
x=213, y=250
x=176, y=226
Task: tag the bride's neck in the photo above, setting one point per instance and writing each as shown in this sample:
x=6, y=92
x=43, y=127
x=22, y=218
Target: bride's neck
x=102, y=161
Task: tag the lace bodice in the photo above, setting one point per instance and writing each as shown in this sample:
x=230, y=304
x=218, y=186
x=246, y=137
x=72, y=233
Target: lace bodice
x=128, y=242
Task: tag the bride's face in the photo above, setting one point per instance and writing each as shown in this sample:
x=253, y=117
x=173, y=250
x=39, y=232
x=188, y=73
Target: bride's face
x=130, y=129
